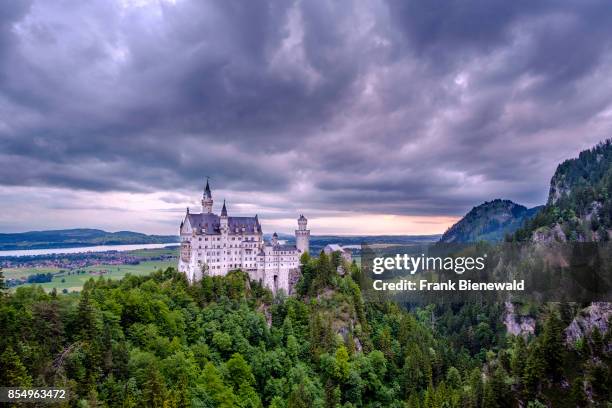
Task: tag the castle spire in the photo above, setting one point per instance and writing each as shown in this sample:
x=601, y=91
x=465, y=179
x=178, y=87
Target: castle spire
x=224, y=210
x=207, y=193
x=207, y=201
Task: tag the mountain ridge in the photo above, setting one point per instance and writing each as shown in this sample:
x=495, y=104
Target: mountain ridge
x=489, y=221
x=76, y=237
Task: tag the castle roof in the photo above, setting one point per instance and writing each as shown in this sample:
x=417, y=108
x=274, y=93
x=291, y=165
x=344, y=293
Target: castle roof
x=285, y=247
x=282, y=247
x=224, y=210
x=210, y=223
x=207, y=192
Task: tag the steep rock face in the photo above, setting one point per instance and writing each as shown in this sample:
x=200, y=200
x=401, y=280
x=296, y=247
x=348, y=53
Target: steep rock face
x=579, y=200
x=490, y=221
x=598, y=315
x=548, y=235
x=518, y=325
x=589, y=170
x=559, y=187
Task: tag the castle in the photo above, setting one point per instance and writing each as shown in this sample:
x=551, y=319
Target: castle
x=216, y=244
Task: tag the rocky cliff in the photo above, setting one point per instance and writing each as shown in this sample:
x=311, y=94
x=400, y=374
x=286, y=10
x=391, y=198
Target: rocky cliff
x=579, y=205
x=597, y=315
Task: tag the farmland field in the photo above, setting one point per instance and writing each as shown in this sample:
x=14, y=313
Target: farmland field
x=14, y=273
x=75, y=281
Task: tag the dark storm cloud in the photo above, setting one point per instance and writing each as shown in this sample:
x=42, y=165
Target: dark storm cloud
x=401, y=107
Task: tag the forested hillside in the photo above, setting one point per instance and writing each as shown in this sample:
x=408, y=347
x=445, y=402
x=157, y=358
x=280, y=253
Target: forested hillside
x=77, y=237
x=579, y=206
x=156, y=341
x=490, y=221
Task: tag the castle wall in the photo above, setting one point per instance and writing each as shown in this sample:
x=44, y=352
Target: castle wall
x=224, y=252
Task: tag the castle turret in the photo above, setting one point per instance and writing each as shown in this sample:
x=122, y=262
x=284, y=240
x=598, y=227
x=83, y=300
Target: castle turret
x=274, y=239
x=223, y=219
x=302, y=235
x=207, y=201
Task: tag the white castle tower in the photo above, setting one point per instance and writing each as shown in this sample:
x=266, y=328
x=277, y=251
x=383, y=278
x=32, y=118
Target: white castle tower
x=302, y=235
x=207, y=201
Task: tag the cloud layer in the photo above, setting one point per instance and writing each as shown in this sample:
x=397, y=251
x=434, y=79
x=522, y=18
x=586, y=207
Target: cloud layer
x=378, y=107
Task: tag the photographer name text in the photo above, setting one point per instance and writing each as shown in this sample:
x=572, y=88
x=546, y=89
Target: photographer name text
x=460, y=285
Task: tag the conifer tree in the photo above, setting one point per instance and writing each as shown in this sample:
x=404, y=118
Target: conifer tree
x=577, y=395
x=500, y=392
x=519, y=356
x=429, y=399
x=183, y=399
x=239, y=372
x=597, y=344
x=453, y=378
x=214, y=386
x=47, y=325
x=342, y=365
x=12, y=372
x=3, y=286
x=325, y=271
x=489, y=399
x=85, y=317
x=154, y=389
x=417, y=371
x=299, y=398
x=552, y=346
x=332, y=395
x=414, y=400
x=131, y=394
x=535, y=368
x=475, y=388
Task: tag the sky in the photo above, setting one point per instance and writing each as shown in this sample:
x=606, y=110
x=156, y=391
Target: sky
x=369, y=117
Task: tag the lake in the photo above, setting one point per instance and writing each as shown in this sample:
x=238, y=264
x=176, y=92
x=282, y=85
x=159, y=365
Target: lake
x=77, y=250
